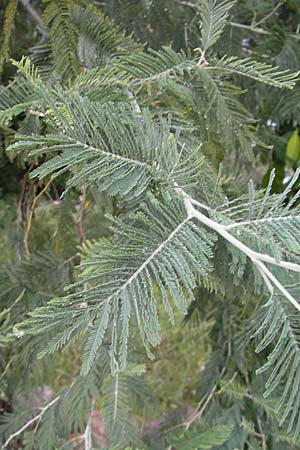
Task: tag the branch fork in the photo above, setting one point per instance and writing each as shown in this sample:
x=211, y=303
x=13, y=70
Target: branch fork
x=258, y=259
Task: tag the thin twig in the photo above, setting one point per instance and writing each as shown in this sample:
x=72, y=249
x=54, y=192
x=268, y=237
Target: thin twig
x=116, y=397
x=22, y=194
x=73, y=439
x=88, y=430
x=27, y=230
x=257, y=30
x=36, y=17
x=267, y=17
x=257, y=222
x=249, y=28
x=80, y=220
x=30, y=422
x=20, y=201
x=199, y=413
x=262, y=434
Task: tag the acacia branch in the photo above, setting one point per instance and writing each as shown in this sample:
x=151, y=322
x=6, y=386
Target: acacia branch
x=258, y=259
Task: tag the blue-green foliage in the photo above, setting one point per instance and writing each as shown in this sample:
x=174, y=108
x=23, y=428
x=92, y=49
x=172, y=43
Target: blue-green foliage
x=144, y=131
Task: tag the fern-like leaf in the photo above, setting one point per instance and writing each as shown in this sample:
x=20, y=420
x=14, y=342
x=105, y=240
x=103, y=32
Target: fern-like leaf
x=198, y=439
x=122, y=160
x=117, y=405
x=15, y=98
x=281, y=328
x=258, y=71
x=167, y=250
x=154, y=65
x=224, y=113
x=214, y=17
x=99, y=39
x=63, y=37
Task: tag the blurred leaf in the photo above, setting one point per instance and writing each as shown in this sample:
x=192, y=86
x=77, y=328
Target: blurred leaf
x=293, y=149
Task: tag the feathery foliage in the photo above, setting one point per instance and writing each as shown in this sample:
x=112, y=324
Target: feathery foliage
x=131, y=145
x=214, y=17
x=8, y=25
x=123, y=293
x=62, y=36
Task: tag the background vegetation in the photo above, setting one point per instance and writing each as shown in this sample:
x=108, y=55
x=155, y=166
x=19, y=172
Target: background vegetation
x=176, y=74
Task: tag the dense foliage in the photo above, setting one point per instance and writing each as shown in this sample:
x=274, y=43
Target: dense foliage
x=149, y=223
